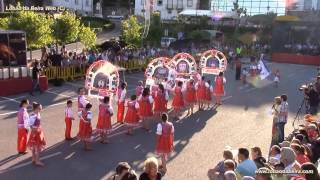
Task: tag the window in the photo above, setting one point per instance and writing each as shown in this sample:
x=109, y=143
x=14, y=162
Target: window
x=87, y=3
x=76, y=2
x=180, y=4
x=159, y=2
x=190, y=3
x=170, y=4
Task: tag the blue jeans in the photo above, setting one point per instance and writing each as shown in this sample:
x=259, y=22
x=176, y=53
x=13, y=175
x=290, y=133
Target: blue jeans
x=280, y=127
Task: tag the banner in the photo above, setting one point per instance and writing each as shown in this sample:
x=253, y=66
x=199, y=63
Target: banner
x=213, y=62
x=102, y=79
x=158, y=71
x=264, y=73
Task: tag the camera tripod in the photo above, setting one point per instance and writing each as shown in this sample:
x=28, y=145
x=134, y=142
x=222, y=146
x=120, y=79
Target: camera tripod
x=299, y=112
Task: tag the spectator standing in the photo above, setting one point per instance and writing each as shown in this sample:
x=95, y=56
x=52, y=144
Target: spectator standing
x=283, y=116
x=218, y=171
x=121, y=170
x=36, y=78
x=257, y=157
x=150, y=170
x=246, y=166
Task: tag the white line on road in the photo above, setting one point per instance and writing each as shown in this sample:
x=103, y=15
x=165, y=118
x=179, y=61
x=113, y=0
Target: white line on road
x=251, y=89
x=58, y=94
x=28, y=163
x=226, y=98
x=11, y=99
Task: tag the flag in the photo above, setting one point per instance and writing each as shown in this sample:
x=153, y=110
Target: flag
x=264, y=73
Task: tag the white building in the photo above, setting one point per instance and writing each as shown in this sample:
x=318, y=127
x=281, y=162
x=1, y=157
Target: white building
x=169, y=9
x=83, y=6
x=303, y=5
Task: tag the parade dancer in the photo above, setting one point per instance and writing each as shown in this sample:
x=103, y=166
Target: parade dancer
x=219, y=88
x=68, y=120
x=161, y=100
x=82, y=100
x=104, y=120
x=139, y=89
x=177, y=102
x=132, y=117
x=201, y=92
x=190, y=94
x=121, y=96
x=85, y=130
x=165, y=136
x=276, y=78
x=145, y=110
x=23, y=126
x=209, y=91
x=244, y=76
x=36, y=142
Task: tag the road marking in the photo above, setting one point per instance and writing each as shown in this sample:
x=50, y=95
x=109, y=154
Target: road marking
x=11, y=99
x=74, y=84
x=58, y=94
x=28, y=163
x=251, y=89
x=226, y=98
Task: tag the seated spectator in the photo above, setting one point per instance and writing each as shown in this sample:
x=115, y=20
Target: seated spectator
x=301, y=153
x=246, y=166
x=288, y=158
x=310, y=167
x=279, y=176
x=285, y=144
x=274, y=155
x=150, y=170
x=122, y=169
x=256, y=155
x=230, y=175
x=219, y=170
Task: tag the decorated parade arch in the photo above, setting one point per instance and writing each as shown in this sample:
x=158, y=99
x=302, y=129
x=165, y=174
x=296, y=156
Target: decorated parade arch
x=102, y=79
x=213, y=62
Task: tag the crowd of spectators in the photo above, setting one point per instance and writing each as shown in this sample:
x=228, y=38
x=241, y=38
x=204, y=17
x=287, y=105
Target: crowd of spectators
x=303, y=48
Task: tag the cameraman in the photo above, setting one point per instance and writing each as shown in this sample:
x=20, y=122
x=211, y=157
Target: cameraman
x=313, y=99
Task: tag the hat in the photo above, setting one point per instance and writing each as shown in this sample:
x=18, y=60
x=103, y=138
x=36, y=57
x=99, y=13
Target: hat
x=309, y=118
x=285, y=144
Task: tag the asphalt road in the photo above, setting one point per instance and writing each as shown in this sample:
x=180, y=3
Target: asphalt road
x=242, y=121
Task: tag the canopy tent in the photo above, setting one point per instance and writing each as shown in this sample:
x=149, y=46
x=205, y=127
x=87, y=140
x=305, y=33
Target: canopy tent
x=208, y=13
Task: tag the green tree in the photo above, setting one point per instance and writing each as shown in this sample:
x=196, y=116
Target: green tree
x=66, y=28
x=131, y=31
x=87, y=37
x=37, y=27
x=156, y=30
x=4, y=23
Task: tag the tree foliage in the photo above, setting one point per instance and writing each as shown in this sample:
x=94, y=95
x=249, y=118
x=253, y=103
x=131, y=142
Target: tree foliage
x=87, y=37
x=265, y=20
x=66, y=28
x=4, y=23
x=131, y=31
x=37, y=27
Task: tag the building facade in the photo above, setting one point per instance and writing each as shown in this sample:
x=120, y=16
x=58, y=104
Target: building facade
x=82, y=6
x=169, y=9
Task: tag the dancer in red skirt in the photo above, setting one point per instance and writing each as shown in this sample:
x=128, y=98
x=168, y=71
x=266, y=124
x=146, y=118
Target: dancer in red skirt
x=177, y=102
x=139, y=89
x=209, y=92
x=132, y=117
x=121, y=97
x=23, y=126
x=104, y=120
x=85, y=130
x=161, y=100
x=201, y=92
x=219, y=88
x=36, y=142
x=145, y=110
x=165, y=136
x=190, y=93
x=68, y=120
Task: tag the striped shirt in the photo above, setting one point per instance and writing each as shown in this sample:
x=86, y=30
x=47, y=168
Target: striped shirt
x=284, y=108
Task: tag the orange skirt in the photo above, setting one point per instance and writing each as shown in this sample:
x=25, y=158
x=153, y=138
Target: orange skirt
x=36, y=140
x=85, y=131
x=164, y=145
x=177, y=102
x=103, y=124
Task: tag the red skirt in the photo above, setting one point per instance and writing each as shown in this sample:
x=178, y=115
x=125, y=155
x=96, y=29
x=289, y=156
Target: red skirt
x=85, y=131
x=160, y=105
x=218, y=91
x=177, y=102
x=208, y=96
x=120, y=112
x=164, y=145
x=145, y=110
x=103, y=124
x=201, y=94
x=36, y=139
x=190, y=97
x=132, y=118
